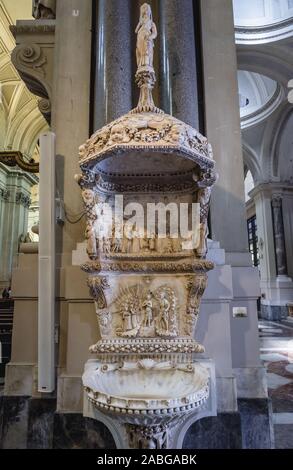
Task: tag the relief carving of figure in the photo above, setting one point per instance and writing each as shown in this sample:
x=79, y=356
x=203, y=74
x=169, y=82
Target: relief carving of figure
x=166, y=321
x=140, y=310
x=163, y=320
x=148, y=307
x=134, y=314
x=146, y=33
x=126, y=315
x=44, y=9
x=90, y=237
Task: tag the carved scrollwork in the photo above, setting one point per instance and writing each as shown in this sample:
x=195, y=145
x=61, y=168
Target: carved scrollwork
x=45, y=108
x=195, y=286
x=30, y=56
x=97, y=285
x=31, y=63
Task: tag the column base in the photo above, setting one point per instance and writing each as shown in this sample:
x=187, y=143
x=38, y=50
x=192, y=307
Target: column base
x=32, y=423
x=274, y=312
x=217, y=432
x=277, y=295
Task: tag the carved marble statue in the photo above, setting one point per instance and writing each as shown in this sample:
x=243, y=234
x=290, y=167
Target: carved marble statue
x=146, y=33
x=44, y=9
x=145, y=374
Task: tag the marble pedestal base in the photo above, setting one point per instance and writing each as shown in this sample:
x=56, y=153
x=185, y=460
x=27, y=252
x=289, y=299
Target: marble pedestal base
x=27, y=423
x=176, y=432
x=276, y=295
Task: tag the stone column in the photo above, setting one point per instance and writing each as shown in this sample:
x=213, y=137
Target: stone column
x=287, y=209
x=228, y=216
x=262, y=198
x=113, y=72
x=279, y=236
x=70, y=110
x=14, y=205
x=178, y=84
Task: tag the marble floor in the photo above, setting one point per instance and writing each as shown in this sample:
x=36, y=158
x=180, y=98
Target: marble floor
x=276, y=349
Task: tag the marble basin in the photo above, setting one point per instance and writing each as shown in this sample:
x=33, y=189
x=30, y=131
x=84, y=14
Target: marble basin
x=146, y=391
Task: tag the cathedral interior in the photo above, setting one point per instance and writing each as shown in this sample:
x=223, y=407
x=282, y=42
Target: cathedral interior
x=137, y=341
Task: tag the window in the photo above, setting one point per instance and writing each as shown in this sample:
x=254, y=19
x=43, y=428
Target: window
x=253, y=240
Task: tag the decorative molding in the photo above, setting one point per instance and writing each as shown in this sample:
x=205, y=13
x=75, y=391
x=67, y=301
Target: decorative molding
x=149, y=346
x=12, y=159
x=33, y=29
x=158, y=267
x=110, y=187
x=265, y=33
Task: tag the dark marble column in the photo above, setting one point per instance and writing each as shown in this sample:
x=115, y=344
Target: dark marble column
x=279, y=236
x=112, y=58
x=178, y=74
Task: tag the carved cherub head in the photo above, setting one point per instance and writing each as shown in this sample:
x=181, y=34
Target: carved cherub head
x=177, y=134
x=117, y=133
x=88, y=196
x=82, y=149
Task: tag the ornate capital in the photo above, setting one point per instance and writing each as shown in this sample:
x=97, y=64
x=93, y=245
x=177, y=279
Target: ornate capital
x=4, y=194
x=277, y=200
x=23, y=199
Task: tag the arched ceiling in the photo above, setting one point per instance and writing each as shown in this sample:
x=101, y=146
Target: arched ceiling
x=262, y=21
x=18, y=9
x=261, y=12
x=259, y=96
x=21, y=120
